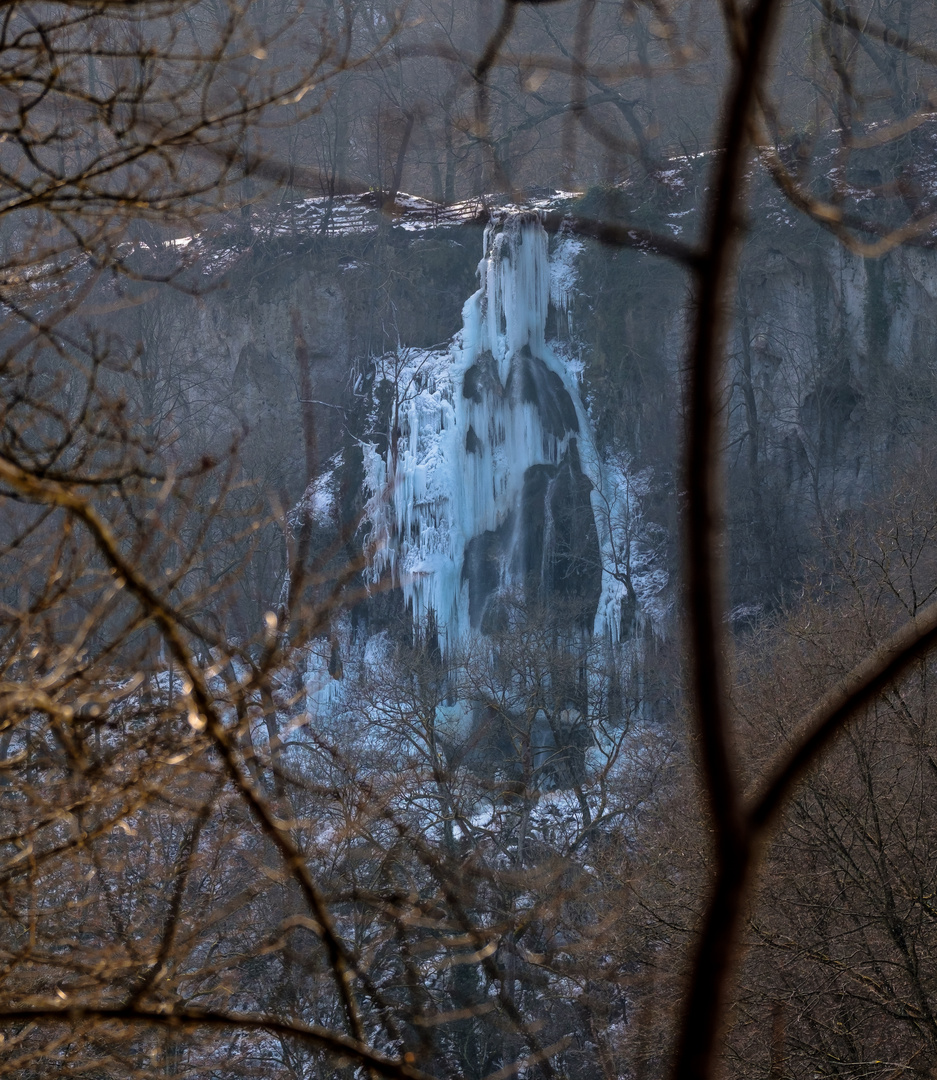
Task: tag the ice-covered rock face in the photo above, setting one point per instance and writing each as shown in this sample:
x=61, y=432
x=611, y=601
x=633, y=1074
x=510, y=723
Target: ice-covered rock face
x=488, y=486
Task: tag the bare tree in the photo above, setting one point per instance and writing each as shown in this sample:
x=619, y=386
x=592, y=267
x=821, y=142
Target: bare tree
x=196, y=878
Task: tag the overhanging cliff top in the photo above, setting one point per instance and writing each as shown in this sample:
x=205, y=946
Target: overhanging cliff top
x=871, y=187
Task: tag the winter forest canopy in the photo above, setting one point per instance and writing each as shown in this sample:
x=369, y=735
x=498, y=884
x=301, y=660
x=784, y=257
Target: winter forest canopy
x=468, y=539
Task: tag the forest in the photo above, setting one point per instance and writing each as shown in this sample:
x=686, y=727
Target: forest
x=468, y=539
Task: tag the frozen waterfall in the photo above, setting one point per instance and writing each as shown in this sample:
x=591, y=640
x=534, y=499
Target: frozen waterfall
x=490, y=480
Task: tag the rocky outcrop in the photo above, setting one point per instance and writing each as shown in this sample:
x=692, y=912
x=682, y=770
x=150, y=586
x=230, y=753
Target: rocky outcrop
x=830, y=366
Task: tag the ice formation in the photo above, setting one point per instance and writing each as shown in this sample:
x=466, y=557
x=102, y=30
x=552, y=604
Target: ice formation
x=477, y=430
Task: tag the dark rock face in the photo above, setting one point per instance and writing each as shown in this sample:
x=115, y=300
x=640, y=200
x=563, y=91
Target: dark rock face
x=550, y=545
x=558, y=554
x=481, y=568
x=544, y=388
x=572, y=547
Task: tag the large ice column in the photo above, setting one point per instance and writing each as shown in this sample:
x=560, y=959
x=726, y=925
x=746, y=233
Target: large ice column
x=516, y=289
x=481, y=431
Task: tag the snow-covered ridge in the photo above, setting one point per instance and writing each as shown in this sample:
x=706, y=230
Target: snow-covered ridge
x=344, y=215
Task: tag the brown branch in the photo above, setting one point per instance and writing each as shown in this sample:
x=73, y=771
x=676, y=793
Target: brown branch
x=341, y=962
x=844, y=16
x=498, y=37
x=832, y=218
x=828, y=718
x=704, y=1003
x=197, y=1019
x=624, y=236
